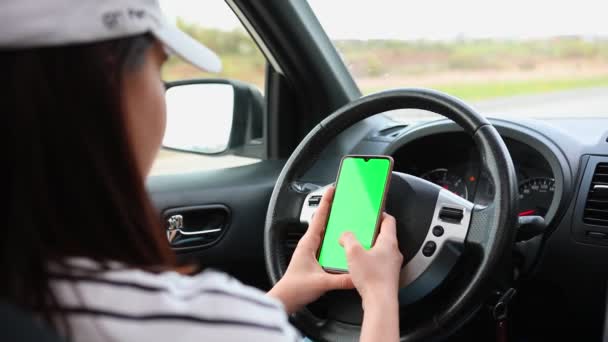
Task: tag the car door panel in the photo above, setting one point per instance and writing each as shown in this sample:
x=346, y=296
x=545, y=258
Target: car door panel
x=244, y=192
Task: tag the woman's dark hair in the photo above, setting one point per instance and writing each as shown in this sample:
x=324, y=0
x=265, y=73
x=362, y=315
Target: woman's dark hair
x=70, y=175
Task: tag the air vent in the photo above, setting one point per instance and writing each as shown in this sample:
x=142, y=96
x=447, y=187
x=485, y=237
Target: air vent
x=596, y=207
x=391, y=130
x=387, y=134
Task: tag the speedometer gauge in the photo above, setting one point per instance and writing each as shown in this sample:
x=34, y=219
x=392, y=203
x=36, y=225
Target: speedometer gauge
x=448, y=181
x=535, y=196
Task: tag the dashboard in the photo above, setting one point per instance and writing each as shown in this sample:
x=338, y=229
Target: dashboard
x=452, y=161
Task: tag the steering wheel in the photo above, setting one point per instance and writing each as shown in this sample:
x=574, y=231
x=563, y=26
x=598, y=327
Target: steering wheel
x=455, y=252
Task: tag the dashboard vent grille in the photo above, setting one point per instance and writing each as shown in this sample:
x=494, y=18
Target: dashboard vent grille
x=392, y=130
x=596, y=207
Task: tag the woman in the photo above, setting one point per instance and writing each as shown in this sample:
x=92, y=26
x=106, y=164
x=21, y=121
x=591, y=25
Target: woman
x=84, y=113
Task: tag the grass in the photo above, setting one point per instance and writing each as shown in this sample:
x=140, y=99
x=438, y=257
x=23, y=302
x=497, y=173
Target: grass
x=495, y=89
x=423, y=60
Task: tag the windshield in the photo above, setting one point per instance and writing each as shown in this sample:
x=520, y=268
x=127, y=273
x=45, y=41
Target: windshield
x=540, y=59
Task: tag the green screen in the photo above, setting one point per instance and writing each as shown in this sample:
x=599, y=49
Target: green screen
x=356, y=206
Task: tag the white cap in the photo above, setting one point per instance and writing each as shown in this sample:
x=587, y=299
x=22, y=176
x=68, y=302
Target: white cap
x=41, y=23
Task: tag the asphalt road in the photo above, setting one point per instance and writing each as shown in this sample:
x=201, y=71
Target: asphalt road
x=577, y=103
x=586, y=102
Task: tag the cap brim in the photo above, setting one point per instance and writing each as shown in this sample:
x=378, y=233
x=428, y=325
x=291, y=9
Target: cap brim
x=189, y=49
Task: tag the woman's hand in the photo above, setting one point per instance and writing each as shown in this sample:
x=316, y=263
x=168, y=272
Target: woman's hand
x=305, y=281
x=375, y=272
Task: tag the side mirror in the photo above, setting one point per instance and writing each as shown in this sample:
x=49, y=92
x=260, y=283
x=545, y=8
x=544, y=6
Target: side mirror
x=214, y=117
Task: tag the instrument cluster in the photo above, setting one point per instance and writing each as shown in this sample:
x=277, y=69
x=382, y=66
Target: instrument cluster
x=452, y=161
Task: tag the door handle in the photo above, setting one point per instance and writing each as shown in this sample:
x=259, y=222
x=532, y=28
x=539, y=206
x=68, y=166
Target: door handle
x=197, y=226
x=176, y=225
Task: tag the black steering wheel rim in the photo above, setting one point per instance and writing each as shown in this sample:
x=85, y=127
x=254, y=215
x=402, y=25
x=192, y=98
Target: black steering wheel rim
x=492, y=228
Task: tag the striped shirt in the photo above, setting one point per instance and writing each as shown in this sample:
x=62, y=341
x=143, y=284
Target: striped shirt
x=125, y=304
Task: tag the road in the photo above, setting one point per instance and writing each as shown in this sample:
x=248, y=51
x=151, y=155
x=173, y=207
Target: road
x=584, y=102
x=588, y=102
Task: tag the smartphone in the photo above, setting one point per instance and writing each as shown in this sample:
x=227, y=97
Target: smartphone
x=361, y=188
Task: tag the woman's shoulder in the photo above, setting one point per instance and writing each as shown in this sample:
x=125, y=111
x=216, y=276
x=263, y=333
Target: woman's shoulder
x=116, y=299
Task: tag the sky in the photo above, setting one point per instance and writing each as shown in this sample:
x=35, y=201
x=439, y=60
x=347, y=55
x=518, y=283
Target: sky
x=427, y=19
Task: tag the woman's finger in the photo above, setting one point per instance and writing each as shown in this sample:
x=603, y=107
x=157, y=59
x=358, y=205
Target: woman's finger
x=351, y=245
x=312, y=238
x=317, y=226
x=388, y=229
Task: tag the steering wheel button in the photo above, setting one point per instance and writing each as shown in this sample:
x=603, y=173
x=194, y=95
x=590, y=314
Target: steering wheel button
x=429, y=248
x=314, y=201
x=438, y=231
x=452, y=215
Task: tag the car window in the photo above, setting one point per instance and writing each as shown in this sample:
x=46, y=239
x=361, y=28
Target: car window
x=216, y=26
x=534, y=59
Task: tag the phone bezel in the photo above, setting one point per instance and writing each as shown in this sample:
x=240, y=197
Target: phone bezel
x=379, y=215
